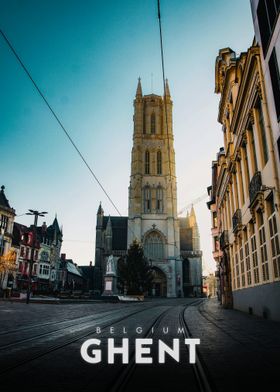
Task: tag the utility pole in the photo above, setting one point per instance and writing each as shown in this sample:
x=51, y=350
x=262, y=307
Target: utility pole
x=33, y=245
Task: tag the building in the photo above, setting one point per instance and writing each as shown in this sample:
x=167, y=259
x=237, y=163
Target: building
x=247, y=187
x=191, y=255
x=71, y=276
x=88, y=275
x=267, y=34
x=152, y=212
x=7, y=215
x=223, y=276
x=46, y=267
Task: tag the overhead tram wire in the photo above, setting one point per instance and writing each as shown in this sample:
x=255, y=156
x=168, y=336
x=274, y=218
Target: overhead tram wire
x=165, y=106
x=58, y=120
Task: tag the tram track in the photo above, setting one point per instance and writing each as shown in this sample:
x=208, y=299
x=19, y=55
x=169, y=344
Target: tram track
x=120, y=383
x=39, y=325
x=63, y=325
x=67, y=342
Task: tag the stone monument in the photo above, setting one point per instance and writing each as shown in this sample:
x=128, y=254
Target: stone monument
x=110, y=278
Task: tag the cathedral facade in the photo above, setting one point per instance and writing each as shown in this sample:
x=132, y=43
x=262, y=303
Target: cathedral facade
x=152, y=211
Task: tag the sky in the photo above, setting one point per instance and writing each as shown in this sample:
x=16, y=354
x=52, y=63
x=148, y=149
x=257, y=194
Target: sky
x=86, y=56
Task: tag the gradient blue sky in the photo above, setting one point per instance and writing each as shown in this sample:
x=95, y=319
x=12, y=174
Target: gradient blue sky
x=86, y=57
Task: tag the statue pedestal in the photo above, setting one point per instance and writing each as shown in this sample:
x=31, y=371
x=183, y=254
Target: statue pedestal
x=110, y=284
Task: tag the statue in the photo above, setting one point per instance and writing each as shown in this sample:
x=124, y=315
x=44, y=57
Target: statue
x=110, y=278
x=110, y=266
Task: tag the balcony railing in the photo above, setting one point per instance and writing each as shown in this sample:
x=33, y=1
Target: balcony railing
x=224, y=239
x=236, y=220
x=255, y=186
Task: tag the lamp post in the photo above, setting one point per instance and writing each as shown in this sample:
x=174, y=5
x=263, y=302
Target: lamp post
x=33, y=244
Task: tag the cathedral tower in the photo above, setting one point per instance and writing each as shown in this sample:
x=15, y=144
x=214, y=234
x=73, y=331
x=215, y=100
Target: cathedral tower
x=152, y=216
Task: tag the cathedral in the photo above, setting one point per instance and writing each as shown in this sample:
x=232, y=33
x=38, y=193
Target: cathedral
x=171, y=244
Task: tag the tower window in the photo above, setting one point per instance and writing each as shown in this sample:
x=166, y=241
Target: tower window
x=153, y=123
x=154, y=246
x=159, y=199
x=159, y=163
x=147, y=199
x=147, y=162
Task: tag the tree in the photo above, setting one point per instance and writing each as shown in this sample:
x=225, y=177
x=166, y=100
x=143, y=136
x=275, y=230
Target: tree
x=134, y=271
x=8, y=261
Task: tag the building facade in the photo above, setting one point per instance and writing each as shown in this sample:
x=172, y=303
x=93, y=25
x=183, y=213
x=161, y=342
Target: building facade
x=7, y=216
x=152, y=211
x=247, y=187
x=266, y=21
x=46, y=269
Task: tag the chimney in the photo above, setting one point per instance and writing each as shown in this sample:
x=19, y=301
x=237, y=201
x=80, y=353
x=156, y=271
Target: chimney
x=90, y=263
x=63, y=256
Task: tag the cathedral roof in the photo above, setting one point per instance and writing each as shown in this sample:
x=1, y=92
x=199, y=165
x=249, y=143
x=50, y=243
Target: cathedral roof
x=119, y=231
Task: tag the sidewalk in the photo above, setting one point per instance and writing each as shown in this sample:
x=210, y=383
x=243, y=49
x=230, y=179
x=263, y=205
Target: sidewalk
x=239, y=351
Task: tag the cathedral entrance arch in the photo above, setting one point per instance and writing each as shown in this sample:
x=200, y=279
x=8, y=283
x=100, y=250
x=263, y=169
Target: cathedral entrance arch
x=159, y=283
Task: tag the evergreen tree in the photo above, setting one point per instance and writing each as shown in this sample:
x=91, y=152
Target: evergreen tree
x=134, y=271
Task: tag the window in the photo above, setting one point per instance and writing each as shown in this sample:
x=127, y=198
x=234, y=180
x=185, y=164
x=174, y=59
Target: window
x=242, y=269
x=3, y=222
x=159, y=199
x=153, y=123
x=147, y=162
x=253, y=151
x=237, y=271
x=275, y=81
x=274, y=238
x=263, y=142
x=246, y=166
x=267, y=13
x=147, y=199
x=263, y=249
x=215, y=219
x=154, y=246
x=255, y=258
x=159, y=163
x=247, y=259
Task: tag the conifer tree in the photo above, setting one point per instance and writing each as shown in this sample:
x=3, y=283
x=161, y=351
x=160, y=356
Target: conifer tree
x=134, y=271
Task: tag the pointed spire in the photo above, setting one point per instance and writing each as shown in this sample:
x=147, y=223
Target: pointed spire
x=109, y=227
x=192, y=218
x=139, y=89
x=167, y=91
x=100, y=209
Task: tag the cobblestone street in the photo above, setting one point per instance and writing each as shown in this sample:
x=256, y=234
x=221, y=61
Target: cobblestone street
x=42, y=342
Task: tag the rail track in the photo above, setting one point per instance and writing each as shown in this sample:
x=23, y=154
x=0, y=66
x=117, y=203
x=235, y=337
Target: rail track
x=65, y=343
x=202, y=378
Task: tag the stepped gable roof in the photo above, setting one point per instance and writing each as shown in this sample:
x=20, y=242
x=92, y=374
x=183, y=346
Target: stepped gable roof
x=119, y=231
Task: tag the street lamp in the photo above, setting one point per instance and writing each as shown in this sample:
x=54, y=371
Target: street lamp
x=34, y=237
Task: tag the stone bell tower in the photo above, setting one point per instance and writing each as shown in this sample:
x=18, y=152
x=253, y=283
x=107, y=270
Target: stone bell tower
x=152, y=216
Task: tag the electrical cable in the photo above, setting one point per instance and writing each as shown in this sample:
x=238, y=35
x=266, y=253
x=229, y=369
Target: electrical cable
x=57, y=119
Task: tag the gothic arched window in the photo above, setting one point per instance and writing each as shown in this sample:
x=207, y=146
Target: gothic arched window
x=159, y=163
x=159, y=202
x=154, y=246
x=147, y=162
x=153, y=123
x=147, y=199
